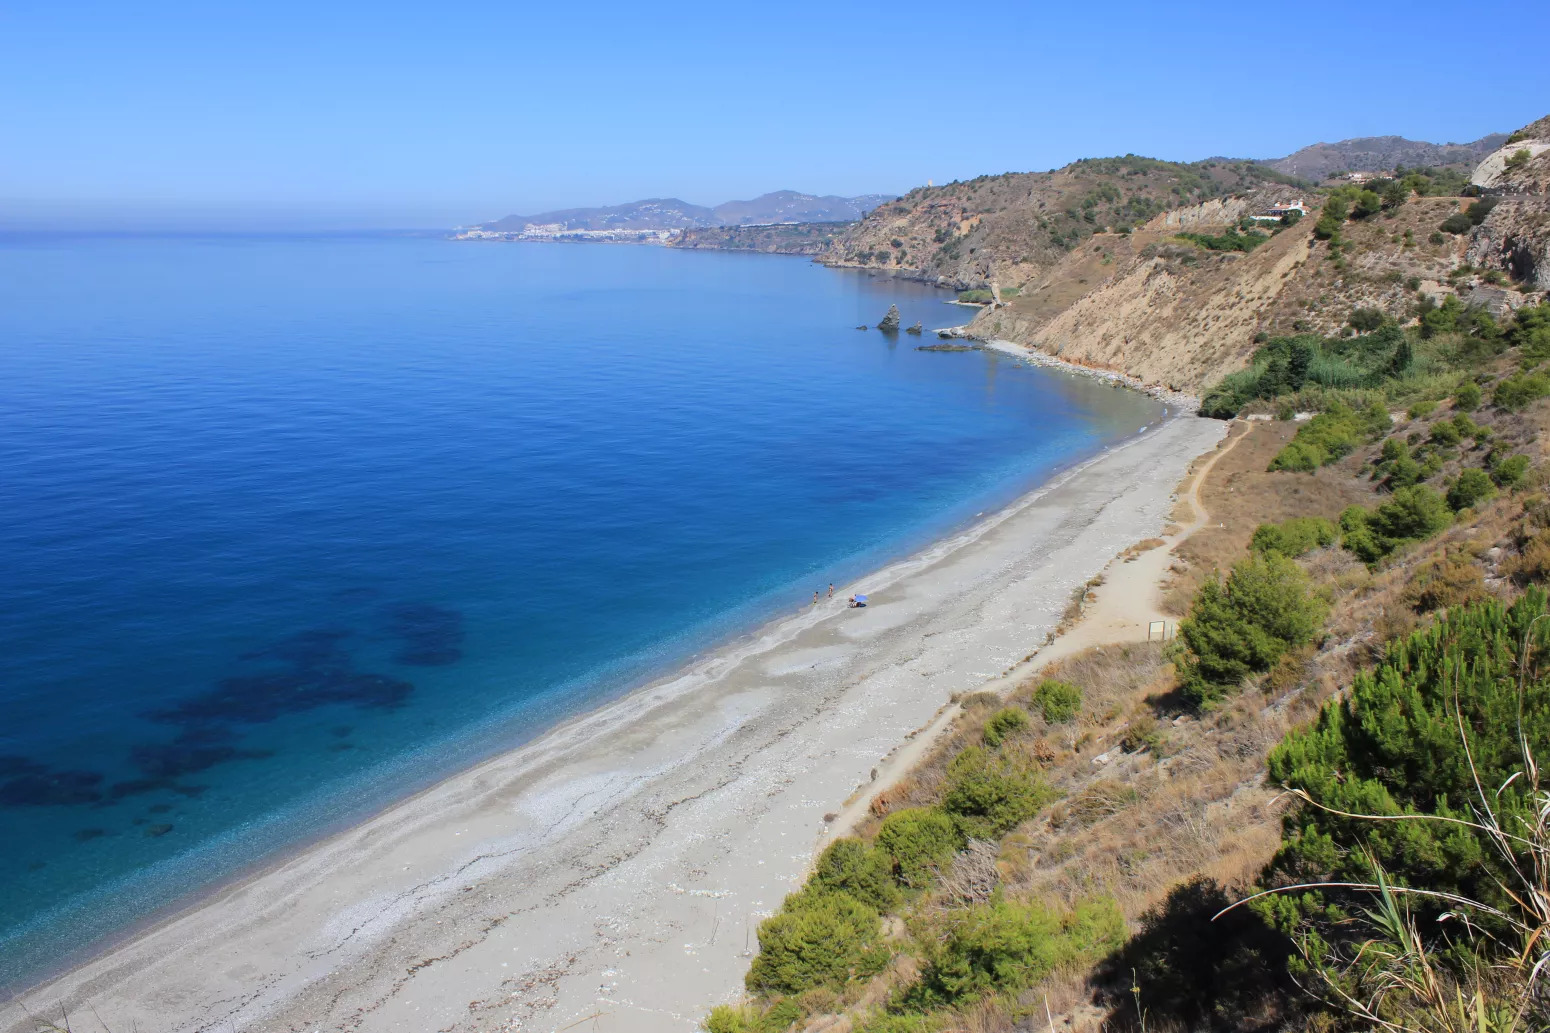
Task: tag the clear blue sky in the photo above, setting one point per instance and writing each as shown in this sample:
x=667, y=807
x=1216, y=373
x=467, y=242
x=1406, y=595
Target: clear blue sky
x=431, y=114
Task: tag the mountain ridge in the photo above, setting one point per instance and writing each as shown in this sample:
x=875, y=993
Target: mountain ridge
x=1318, y=161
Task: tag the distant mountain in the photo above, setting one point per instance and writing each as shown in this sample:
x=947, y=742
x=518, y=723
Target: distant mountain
x=789, y=206
x=1380, y=153
x=656, y=213
x=669, y=213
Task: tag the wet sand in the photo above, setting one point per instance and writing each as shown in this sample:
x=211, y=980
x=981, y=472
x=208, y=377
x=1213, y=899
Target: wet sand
x=610, y=876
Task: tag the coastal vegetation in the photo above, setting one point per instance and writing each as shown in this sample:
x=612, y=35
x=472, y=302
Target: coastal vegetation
x=1231, y=240
x=1244, y=625
x=802, y=238
x=1364, y=628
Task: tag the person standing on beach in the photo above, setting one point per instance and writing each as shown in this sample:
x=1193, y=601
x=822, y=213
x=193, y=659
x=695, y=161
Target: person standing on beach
x=831, y=589
x=815, y=598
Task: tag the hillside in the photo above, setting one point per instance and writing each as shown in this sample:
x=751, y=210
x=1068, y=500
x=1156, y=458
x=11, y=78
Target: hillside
x=1380, y=154
x=803, y=238
x=1013, y=227
x=1347, y=732
x=1171, y=312
x=1186, y=296
x=786, y=206
x=670, y=213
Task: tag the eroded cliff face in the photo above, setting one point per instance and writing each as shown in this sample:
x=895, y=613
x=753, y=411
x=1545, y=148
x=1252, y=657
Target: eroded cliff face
x=1173, y=315
x=1515, y=237
x=1519, y=166
x=1159, y=308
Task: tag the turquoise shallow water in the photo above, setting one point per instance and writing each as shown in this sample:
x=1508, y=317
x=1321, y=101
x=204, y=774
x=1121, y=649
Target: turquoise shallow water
x=291, y=527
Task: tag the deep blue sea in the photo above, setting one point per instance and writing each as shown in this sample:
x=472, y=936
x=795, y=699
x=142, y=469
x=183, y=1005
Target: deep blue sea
x=293, y=526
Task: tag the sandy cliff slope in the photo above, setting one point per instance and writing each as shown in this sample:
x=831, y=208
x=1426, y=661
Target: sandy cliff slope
x=1169, y=313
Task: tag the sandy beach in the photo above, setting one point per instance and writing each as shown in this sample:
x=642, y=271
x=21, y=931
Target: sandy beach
x=611, y=875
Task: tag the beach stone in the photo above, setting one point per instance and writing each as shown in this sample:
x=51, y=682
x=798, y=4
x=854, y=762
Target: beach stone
x=890, y=323
x=914, y=329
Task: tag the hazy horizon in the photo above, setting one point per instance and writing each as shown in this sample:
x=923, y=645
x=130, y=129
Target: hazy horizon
x=169, y=116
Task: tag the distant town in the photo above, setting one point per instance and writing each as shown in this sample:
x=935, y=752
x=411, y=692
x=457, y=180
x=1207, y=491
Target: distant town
x=557, y=231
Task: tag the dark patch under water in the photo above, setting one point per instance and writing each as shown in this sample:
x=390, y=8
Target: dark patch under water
x=428, y=635
x=32, y=784
x=300, y=672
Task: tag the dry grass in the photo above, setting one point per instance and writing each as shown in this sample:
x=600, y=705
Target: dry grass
x=1080, y=597
x=1145, y=545
x=1188, y=797
x=1240, y=494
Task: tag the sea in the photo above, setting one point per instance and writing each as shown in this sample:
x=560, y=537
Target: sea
x=292, y=527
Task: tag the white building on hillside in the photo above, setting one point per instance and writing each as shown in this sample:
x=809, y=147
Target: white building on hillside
x=1280, y=210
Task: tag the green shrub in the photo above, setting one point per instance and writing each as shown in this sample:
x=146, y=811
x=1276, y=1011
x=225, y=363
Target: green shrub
x=1004, y=946
x=1517, y=391
x=865, y=872
x=990, y=793
x=916, y=841
x=1244, y=626
x=1402, y=473
x=1472, y=488
x=1441, y=319
x=1328, y=226
x=1232, y=240
x=1366, y=205
x=1366, y=320
x=1531, y=331
x=1140, y=735
x=728, y=1018
x=1456, y=223
x=1058, y=701
x=1509, y=472
x=1444, y=433
x=1414, y=513
x=1003, y=723
x=1330, y=436
x=1393, y=746
x=1295, y=536
x=1468, y=396
x=826, y=940
x=1422, y=409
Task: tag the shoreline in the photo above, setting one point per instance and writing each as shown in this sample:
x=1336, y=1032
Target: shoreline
x=881, y=568
x=335, y=928
x=1034, y=356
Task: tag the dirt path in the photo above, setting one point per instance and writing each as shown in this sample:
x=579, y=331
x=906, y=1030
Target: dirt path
x=1126, y=608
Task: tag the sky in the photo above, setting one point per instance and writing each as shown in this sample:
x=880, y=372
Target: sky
x=346, y=114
